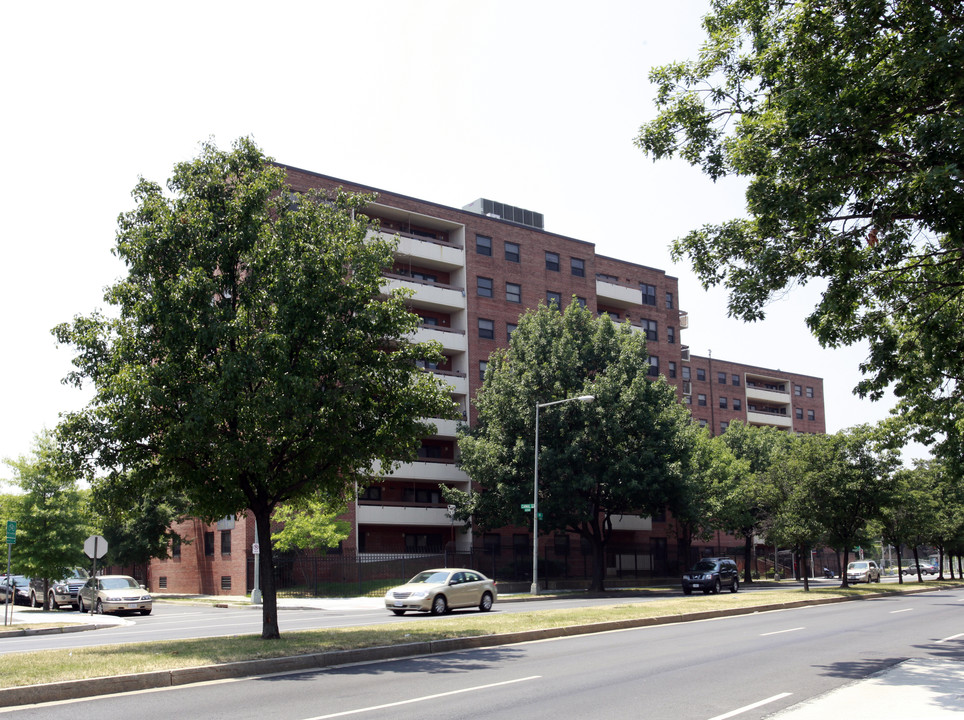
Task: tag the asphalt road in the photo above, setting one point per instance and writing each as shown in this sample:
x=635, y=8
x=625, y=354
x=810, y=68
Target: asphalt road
x=176, y=620
x=746, y=666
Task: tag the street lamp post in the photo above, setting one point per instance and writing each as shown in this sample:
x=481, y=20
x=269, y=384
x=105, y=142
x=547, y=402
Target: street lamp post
x=534, y=589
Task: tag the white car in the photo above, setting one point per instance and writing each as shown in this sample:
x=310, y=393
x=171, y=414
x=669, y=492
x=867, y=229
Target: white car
x=114, y=594
x=863, y=571
x=442, y=589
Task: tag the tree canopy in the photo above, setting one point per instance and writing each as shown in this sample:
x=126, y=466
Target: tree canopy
x=253, y=356
x=53, y=518
x=846, y=118
x=621, y=454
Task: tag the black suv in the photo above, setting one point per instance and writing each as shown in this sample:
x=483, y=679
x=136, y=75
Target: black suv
x=712, y=574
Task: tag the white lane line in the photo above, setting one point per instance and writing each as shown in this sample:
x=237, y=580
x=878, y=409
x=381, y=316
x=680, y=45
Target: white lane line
x=746, y=708
x=894, y=612
x=777, y=632
x=423, y=698
x=952, y=637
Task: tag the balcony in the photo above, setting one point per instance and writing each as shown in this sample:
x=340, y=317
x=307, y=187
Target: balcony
x=403, y=514
x=632, y=522
x=453, y=340
x=618, y=295
x=427, y=253
x=754, y=417
x=767, y=393
x=432, y=296
x=457, y=381
x=427, y=471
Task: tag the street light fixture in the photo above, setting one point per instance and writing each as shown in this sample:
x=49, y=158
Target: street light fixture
x=534, y=589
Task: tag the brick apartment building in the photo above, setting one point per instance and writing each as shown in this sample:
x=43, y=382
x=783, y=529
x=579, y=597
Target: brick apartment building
x=473, y=272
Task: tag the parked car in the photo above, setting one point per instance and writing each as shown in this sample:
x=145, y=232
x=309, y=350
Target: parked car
x=59, y=593
x=114, y=594
x=18, y=588
x=925, y=569
x=712, y=575
x=863, y=571
x=442, y=589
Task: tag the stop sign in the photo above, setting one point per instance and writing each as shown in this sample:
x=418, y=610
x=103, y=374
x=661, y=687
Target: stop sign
x=95, y=547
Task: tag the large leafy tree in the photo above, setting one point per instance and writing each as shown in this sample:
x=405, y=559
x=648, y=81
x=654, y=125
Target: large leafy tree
x=846, y=119
x=742, y=496
x=253, y=357
x=848, y=485
x=621, y=454
x=53, y=515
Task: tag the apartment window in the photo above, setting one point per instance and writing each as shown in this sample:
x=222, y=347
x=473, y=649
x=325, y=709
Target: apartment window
x=799, y=413
x=581, y=301
x=371, y=493
x=176, y=547
x=482, y=366
x=653, y=366
x=723, y=403
x=649, y=328
x=669, y=301
x=512, y=253
x=428, y=320
x=702, y=422
x=513, y=292
x=509, y=329
x=483, y=245
x=484, y=286
x=687, y=399
x=737, y=404
x=209, y=543
x=649, y=294
x=721, y=378
x=670, y=334
x=486, y=329
x=225, y=542
x=701, y=400
x=723, y=426
x=578, y=267
x=809, y=391
x=701, y=374
x=671, y=370
x=552, y=261
x=810, y=415
x=553, y=298
x=735, y=379
x=686, y=372
x=797, y=390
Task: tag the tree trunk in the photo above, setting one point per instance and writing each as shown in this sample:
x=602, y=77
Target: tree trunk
x=598, y=565
x=269, y=593
x=917, y=563
x=900, y=573
x=747, y=558
x=843, y=568
x=805, y=556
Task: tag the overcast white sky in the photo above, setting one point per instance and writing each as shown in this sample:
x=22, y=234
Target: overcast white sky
x=531, y=103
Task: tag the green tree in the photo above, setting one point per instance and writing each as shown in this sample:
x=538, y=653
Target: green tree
x=311, y=524
x=848, y=486
x=54, y=519
x=791, y=519
x=254, y=357
x=846, y=119
x=743, y=509
x=911, y=515
x=621, y=454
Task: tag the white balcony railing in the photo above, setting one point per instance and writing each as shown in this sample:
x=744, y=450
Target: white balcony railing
x=618, y=295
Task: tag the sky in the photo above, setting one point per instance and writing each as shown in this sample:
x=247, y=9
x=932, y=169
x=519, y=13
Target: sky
x=529, y=102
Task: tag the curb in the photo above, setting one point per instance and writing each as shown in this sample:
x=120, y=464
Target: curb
x=73, y=689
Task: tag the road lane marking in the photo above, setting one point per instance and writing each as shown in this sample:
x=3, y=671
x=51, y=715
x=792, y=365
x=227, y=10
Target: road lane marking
x=777, y=632
x=423, y=698
x=754, y=706
x=894, y=612
x=952, y=637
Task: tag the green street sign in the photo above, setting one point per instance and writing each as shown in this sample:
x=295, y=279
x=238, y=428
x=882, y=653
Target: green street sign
x=528, y=507
x=11, y=532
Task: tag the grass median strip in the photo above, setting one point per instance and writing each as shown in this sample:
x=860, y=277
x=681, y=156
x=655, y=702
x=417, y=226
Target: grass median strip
x=30, y=668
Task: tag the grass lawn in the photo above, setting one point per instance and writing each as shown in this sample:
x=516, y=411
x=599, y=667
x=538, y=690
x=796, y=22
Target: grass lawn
x=46, y=666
